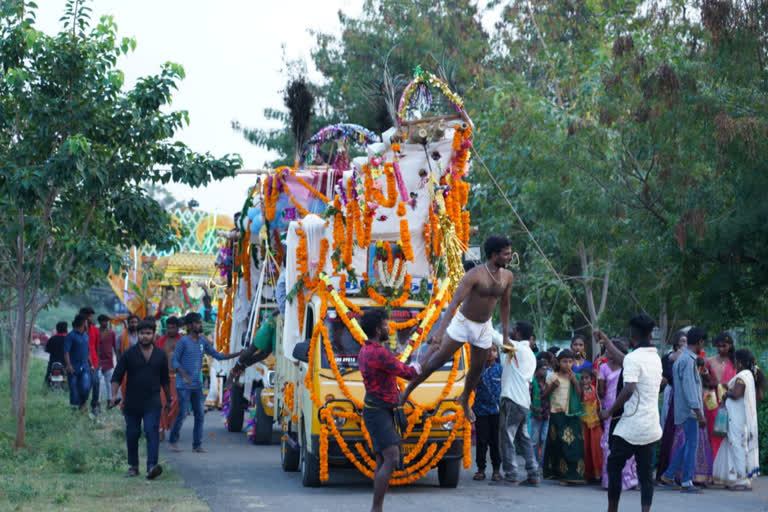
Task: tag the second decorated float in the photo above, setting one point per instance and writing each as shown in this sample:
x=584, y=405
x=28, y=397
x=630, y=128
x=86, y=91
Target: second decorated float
x=359, y=222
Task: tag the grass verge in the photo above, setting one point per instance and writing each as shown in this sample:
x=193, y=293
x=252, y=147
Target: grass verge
x=73, y=462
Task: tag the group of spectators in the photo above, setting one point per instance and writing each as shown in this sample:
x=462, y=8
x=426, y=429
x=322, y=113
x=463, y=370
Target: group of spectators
x=134, y=369
x=563, y=413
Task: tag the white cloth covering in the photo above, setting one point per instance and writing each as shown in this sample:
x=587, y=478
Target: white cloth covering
x=738, y=458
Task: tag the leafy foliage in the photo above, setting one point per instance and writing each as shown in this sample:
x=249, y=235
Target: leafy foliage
x=630, y=136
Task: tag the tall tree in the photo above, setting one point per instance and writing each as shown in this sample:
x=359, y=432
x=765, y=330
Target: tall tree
x=74, y=150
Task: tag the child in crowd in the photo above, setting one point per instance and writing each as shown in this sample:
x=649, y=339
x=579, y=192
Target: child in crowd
x=565, y=443
x=540, y=392
x=590, y=424
x=486, y=408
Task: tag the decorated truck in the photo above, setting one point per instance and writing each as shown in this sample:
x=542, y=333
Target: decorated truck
x=386, y=229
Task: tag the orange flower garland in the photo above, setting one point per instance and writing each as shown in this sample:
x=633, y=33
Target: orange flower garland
x=270, y=198
x=303, y=211
x=401, y=209
x=309, y=187
x=391, y=200
x=338, y=232
x=335, y=368
x=279, y=253
x=427, y=240
x=324, y=453
x=405, y=238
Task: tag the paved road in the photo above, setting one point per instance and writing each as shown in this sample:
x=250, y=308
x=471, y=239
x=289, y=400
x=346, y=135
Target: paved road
x=236, y=475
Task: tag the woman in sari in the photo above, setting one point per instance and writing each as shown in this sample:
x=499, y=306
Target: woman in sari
x=565, y=444
x=738, y=459
x=607, y=388
x=719, y=370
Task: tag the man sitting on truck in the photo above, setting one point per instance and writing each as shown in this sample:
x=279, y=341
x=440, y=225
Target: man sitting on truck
x=477, y=294
x=380, y=369
x=263, y=345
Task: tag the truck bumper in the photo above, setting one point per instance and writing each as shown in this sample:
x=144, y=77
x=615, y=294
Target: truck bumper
x=337, y=458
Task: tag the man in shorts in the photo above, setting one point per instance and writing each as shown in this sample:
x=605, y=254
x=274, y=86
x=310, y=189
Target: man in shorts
x=477, y=294
x=380, y=369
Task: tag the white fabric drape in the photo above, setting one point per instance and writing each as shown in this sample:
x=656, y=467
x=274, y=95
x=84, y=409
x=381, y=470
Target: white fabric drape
x=738, y=459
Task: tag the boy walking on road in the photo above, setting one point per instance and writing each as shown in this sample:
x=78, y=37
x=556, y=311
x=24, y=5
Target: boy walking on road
x=146, y=369
x=188, y=362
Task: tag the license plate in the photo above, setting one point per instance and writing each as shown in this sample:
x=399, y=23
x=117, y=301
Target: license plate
x=57, y=378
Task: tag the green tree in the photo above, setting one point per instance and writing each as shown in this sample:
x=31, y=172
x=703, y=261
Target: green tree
x=74, y=150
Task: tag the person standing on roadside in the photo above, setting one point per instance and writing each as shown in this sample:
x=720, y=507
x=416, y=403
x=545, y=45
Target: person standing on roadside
x=93, y=344
x=689, y=412
x=77, y=359
x=637, y=404
x=130, y=335
x=188, y=362
x=55, y=348
x=519, y=365
x=486, y=407
x=145, y=368
x=107, y=349
x=168, y=343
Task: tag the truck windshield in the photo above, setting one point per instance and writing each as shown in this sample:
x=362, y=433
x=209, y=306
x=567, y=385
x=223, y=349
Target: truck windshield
x=346, y=348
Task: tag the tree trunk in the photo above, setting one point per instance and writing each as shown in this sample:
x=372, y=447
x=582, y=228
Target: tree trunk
x=20, y=366
x=594, y=312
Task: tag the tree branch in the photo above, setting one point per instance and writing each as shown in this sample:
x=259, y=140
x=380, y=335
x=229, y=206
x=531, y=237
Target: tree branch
x=66, y=268
x=604, y=292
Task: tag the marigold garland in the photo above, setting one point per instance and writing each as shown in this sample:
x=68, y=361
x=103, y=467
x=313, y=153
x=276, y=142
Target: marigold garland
x=401, y=209
x=335, y=368
x=309, y=187
x=391, y=200
x=271, y=195
x=303, y=211
x=405, y=238
x=324, y=453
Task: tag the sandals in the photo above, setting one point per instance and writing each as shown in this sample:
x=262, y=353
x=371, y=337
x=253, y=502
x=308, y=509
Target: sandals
x=691, y=489
x=479, y=476
x=131, y=473
x=666, y=483
x=155, y=472
x=739, y=487
x=531, y=482
x=496, y=477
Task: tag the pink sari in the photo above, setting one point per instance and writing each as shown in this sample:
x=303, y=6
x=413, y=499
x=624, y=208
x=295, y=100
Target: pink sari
x=629, y=473
x=723, y=373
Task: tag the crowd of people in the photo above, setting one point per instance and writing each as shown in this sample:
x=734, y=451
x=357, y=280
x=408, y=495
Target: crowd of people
x=576, y=420
x=132, y=370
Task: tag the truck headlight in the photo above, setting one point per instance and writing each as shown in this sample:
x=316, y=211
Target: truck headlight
x=449, y=425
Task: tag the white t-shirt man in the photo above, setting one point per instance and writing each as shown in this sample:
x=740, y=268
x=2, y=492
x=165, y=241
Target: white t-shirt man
x=639, y=425
x=518, y=371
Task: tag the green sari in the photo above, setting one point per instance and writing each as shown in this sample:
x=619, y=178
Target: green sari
x=565, y=444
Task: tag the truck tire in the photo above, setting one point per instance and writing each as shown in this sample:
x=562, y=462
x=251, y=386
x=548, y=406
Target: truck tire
x=237, y=407
x=448, y=472
x=289, y=456
x=263, y=428
x=310, y=466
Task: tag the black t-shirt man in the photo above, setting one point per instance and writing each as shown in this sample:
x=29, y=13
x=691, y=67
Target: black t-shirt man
x=55, y=347
x=145, y=379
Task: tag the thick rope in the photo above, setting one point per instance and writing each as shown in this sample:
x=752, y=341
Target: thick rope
x=530, y=235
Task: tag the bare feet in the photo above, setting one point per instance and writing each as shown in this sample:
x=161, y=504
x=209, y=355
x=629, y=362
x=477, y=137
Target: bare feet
x=174, y=447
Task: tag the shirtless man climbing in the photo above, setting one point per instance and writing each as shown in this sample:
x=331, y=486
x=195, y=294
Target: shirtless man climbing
x=477, y=294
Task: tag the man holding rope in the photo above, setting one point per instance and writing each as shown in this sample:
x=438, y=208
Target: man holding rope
x=477, y=294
